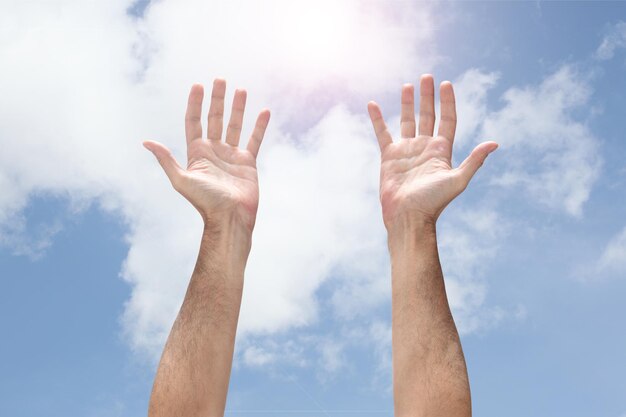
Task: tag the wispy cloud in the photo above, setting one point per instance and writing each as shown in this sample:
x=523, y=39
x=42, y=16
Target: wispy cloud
x=17, y=236
x=257, y=356
x=614, y=39
x=470, y=240
x=551, y=154
x=471, y=91
x=612, y=260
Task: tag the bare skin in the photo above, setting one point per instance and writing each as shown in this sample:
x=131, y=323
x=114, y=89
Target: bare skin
x=221, y=182
x=417, y=181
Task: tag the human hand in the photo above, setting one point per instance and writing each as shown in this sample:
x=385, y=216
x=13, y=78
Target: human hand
x=221, y=179
x=417, y=180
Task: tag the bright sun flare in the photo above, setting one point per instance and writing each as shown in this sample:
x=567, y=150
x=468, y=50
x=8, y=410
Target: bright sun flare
x=320, y=35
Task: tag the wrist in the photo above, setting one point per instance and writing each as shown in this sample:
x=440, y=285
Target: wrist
x=410, y=231
x=410, y=223
x=228, y=238
x=230, y=216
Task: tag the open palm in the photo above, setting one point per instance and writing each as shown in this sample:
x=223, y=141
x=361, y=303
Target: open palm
x=220, y=179
x=416, y=178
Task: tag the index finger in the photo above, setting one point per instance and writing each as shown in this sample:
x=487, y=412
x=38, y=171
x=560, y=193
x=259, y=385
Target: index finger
x=447, y=126
x=407, y=116
x=380, y=128
x=259, y=131
x=193, y=125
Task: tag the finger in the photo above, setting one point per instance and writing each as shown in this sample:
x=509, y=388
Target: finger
x=193, y=125
x=216, y=111
x=259, y=131
x=167, y=161
x=474, y=161
x=236, y=118
x=447, y=125
x=380, y=128
x=427, y=105
x=407, y=117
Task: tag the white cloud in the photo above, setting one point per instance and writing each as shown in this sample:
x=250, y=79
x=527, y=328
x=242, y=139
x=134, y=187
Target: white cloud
x=550, y=152
x=34, y=244
x=613, y=40
x=84, y=83
x=256, y=356
x=277, y=354
x=312, y=217
x=333, y=357
x=295, y=57
x=469, y=241
x=380, y=334
x=609, y=263
x=471, y=90
x=613, y=258
x=330, y=354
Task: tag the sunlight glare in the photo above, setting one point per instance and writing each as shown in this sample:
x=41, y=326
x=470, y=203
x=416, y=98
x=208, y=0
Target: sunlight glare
x=318, y=36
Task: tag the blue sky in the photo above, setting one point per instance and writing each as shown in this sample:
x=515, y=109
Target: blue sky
x=95, y=249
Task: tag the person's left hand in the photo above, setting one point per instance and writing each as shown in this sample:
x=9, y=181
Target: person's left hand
x=417, y=180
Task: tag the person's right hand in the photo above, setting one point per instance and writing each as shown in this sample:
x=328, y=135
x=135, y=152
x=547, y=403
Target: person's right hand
x=221, y=179
x=417, y=180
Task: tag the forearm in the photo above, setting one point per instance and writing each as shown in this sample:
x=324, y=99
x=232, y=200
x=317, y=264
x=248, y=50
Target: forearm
x=194, y=372
x=429, y=372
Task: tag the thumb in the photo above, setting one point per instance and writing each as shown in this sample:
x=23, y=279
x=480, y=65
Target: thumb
x=475, y=160
x=166, y=160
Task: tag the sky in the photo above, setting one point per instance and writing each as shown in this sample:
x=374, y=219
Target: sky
x=96, y=249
